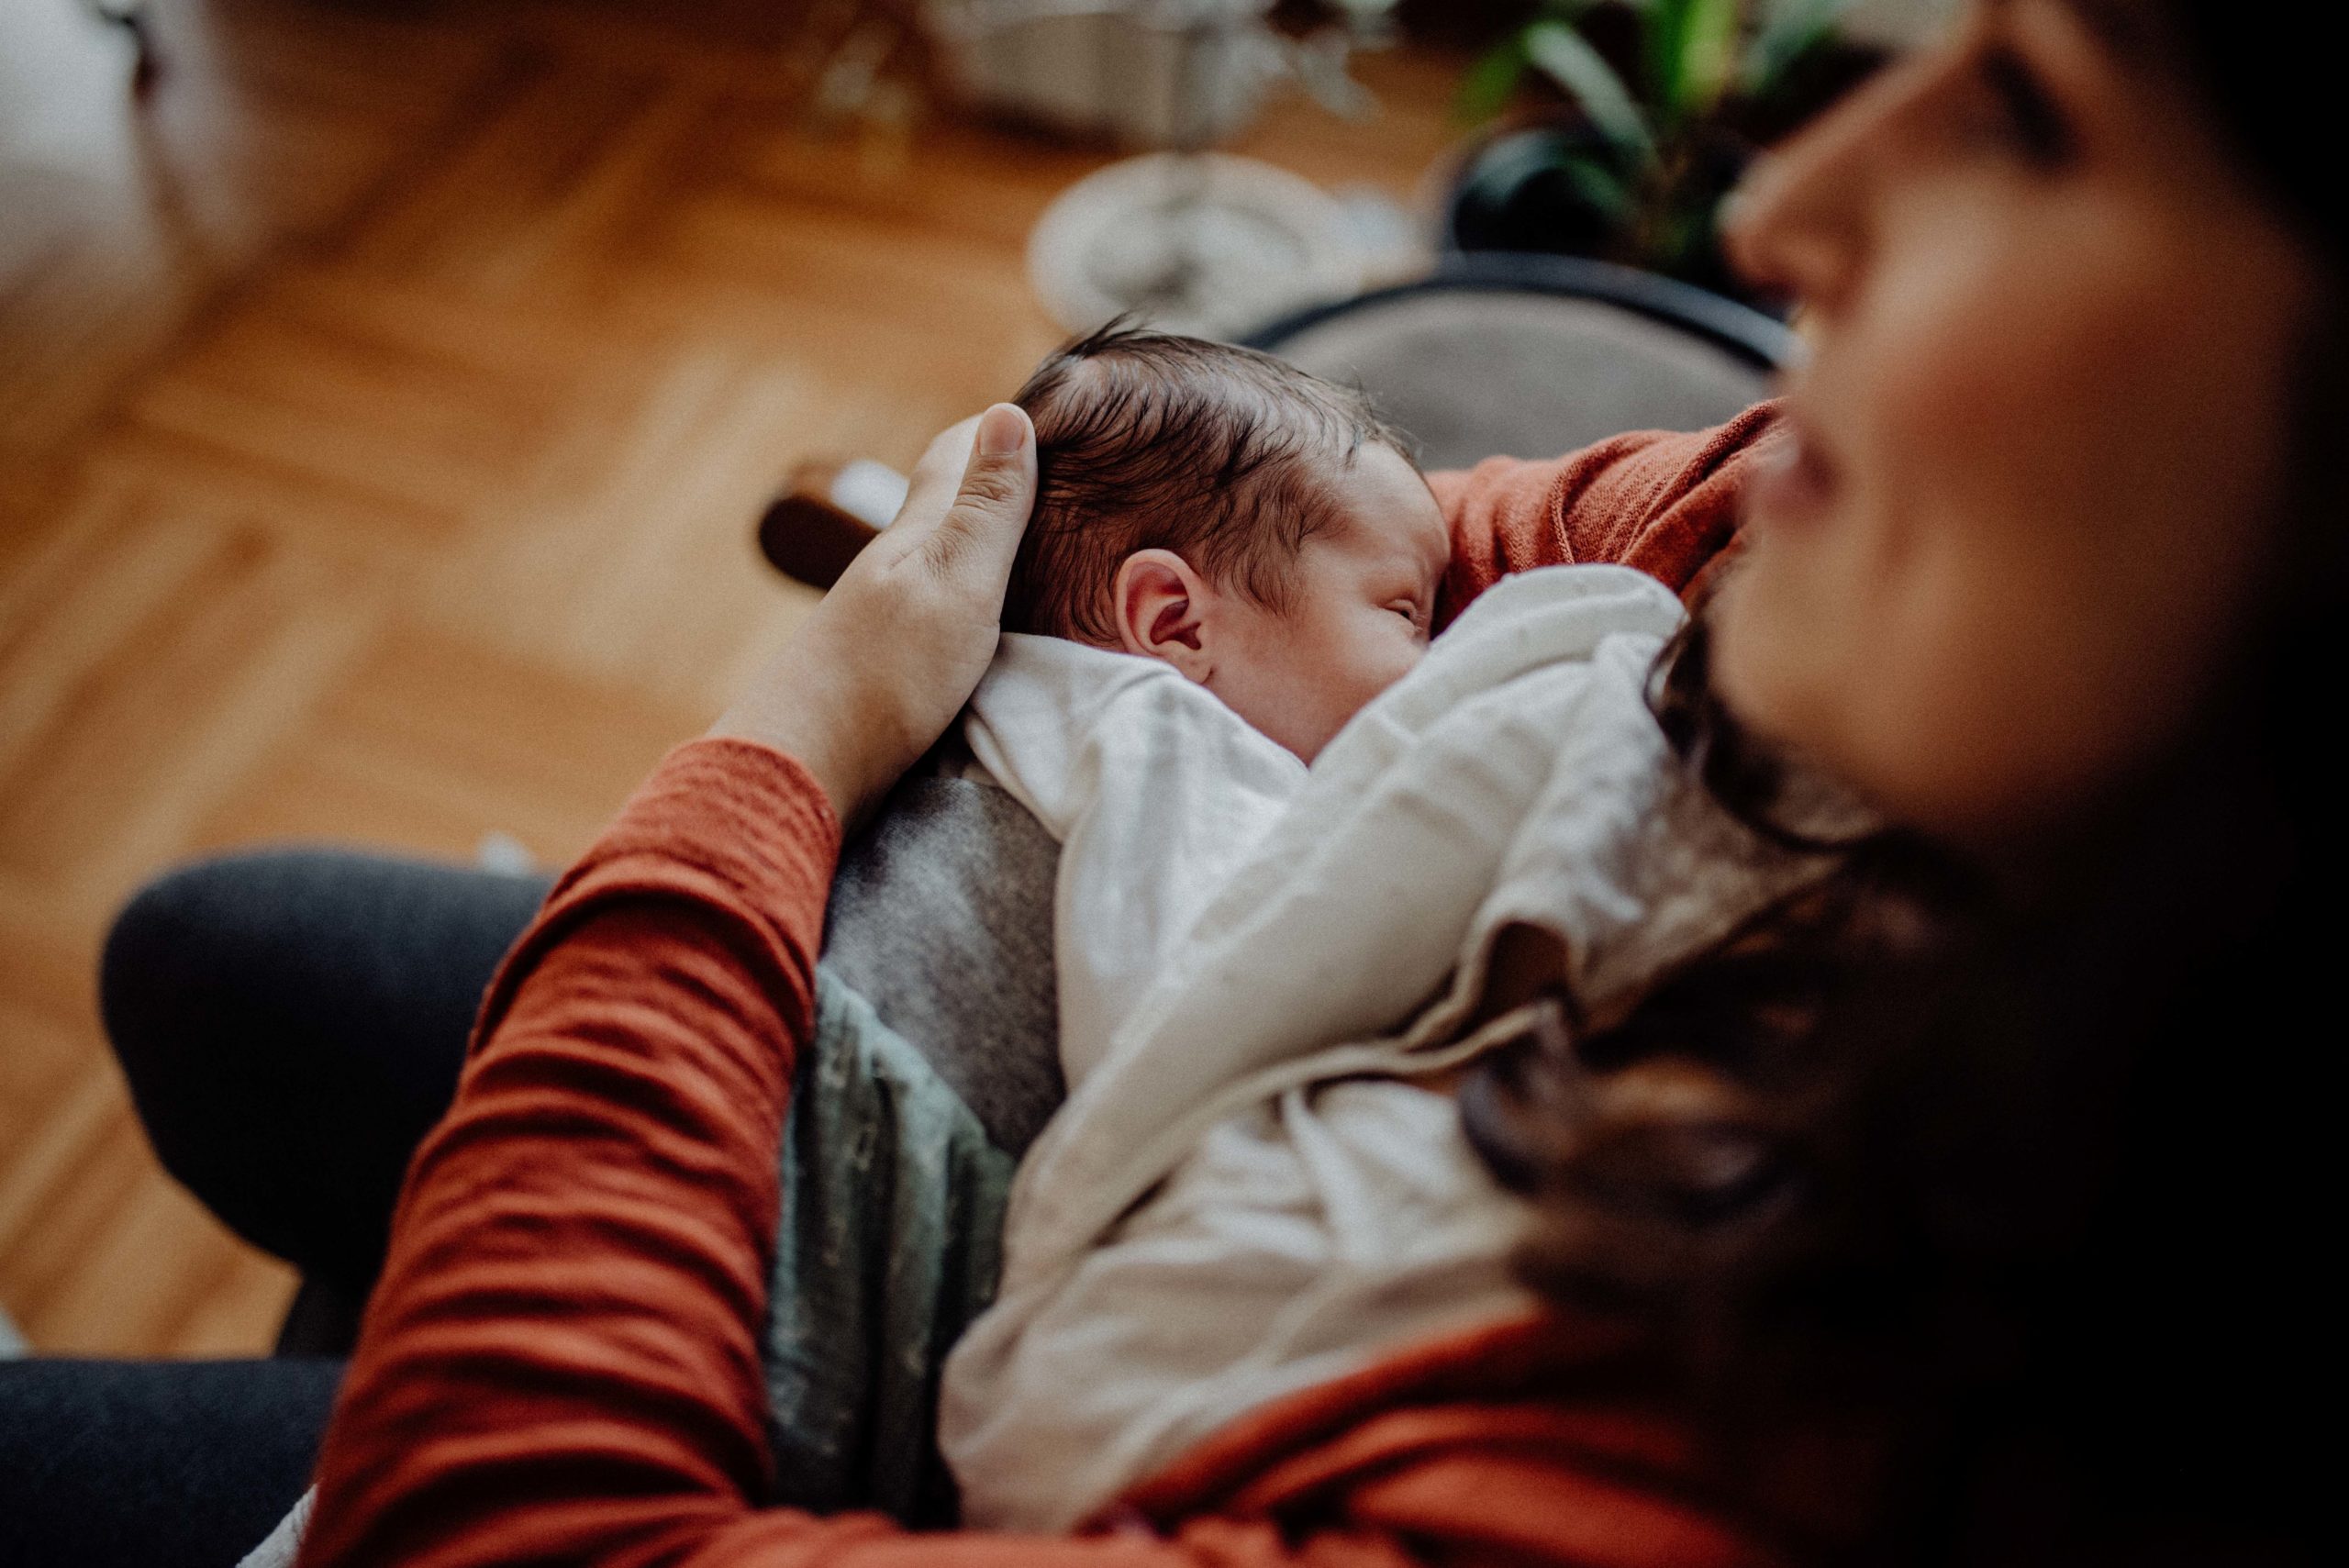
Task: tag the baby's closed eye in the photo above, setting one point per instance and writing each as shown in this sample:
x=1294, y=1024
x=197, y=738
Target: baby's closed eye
x=1415, y=609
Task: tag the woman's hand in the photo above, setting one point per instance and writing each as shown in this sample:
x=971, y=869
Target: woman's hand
x=879, y=668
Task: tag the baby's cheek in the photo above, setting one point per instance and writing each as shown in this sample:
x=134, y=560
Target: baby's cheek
x=1407, y=649
x=1386, y=661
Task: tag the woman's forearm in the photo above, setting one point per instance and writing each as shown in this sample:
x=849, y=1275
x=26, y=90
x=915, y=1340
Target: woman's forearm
x=1666, y=504
x=562, y=1357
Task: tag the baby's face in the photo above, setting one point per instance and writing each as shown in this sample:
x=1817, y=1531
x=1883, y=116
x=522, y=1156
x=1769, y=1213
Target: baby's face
x=1357, y=619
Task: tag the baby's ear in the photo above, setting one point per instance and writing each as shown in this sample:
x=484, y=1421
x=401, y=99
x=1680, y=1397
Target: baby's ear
x=1159, y=602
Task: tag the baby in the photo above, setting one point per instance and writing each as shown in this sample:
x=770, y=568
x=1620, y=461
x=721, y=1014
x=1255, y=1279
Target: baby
x=1259, y=1183
x=1227, y=561
x=1263, y=532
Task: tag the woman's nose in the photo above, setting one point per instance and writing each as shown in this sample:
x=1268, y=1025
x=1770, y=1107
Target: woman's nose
x=1801, y=223
x=1794, y=225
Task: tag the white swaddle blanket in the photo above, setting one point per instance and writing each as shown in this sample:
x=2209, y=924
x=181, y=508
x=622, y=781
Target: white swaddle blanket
x=1245, y=1195
x=1157, y=793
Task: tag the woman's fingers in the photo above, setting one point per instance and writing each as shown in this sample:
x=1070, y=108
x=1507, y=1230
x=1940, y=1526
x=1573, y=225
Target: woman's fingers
x=980, y=531
x=938, y=472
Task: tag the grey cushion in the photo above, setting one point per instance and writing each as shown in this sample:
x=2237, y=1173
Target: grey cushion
x=1473, y=373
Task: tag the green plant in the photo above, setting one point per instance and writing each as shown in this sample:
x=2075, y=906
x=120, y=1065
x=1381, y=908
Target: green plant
x=1670, y=106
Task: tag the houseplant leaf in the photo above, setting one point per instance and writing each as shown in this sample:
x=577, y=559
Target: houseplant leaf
x=1566, y=58
x=1491, y=82
x=1794, y=28
x=1692, y=54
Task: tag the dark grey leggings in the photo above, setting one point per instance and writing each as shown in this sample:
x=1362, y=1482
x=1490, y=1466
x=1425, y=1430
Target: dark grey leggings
x=291, y=1023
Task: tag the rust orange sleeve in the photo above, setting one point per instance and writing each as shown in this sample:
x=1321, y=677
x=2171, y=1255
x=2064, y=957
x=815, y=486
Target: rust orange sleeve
x=562, y=1359
x=1666, y=504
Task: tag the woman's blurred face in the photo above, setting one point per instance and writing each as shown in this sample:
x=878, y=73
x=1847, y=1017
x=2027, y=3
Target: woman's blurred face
x=2041, y=432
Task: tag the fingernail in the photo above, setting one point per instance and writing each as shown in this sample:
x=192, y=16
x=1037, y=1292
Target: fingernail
x=1002, y=429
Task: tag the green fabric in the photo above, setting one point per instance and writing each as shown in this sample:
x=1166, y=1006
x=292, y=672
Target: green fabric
x=890, y=1241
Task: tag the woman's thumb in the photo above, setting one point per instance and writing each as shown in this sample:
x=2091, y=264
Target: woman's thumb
x=982, y=528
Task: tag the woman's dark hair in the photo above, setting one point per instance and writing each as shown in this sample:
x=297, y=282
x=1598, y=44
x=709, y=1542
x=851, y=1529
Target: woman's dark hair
x=2031, y=1166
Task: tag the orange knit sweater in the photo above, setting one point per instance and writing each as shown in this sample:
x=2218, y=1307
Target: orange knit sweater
x=561, y=1362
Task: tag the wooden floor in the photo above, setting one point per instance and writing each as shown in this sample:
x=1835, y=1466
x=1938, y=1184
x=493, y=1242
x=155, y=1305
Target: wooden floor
x=383, y=408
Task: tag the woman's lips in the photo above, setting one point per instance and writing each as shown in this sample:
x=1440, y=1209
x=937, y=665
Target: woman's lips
x=1795, y=482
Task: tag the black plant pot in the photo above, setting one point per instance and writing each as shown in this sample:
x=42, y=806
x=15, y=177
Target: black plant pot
x=1512, y=195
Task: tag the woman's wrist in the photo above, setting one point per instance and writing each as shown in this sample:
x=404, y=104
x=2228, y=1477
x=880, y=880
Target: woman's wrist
x=880, y=668
x=808, y=704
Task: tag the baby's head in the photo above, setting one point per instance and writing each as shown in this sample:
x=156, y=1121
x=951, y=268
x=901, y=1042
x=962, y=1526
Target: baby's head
x=1262, y=531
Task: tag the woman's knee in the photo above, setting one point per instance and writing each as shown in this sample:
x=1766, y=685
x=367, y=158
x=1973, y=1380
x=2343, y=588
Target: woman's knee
x=292, y=1020
x=184, y=990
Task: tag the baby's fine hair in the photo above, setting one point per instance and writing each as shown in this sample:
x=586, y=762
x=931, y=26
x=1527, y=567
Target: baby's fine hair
x=1147, y=441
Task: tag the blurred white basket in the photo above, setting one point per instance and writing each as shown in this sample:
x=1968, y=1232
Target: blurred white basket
x=1144, y=72
x=1192, y=242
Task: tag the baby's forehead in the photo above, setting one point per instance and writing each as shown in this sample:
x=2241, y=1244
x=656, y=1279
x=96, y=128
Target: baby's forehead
x=1376, y=496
